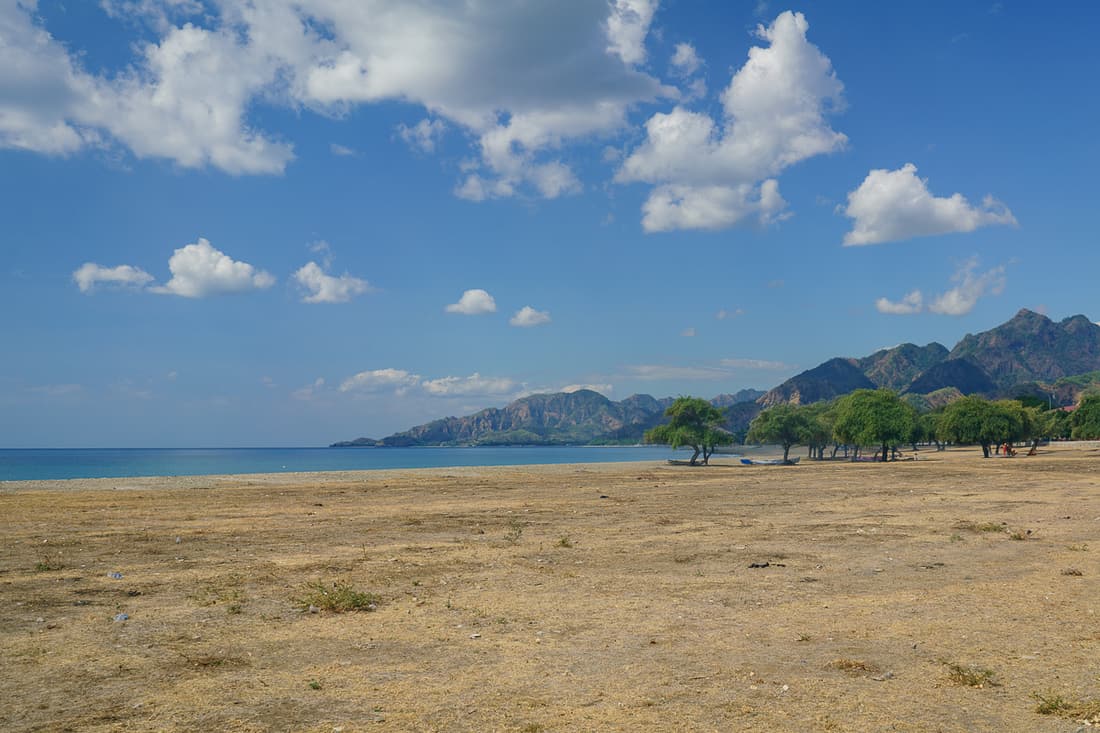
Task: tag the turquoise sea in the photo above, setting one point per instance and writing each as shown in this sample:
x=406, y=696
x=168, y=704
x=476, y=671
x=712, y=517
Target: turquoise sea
x=65, y=463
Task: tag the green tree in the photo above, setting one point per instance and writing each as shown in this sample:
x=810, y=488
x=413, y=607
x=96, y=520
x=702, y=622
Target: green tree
x=783, y=424
x=1086, y=419
x=874, y=417
x=818, y=433
x=927, y=430
x=693, y=422
x=977, y=420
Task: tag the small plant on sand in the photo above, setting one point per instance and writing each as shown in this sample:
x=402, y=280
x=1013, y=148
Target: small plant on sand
x=1083, y=711
x=564, y=541
x=314, y=685
x=337, y=598
x=515, y=531
x=1072, y=571
x=981, y=526
x=969, y=676
x=1019, y=535
x=47, y=564
x=853, y=666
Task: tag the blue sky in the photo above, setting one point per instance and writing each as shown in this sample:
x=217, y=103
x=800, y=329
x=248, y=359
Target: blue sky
x=228, y=225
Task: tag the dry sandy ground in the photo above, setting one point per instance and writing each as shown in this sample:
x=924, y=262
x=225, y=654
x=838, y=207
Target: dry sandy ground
x=616, y=597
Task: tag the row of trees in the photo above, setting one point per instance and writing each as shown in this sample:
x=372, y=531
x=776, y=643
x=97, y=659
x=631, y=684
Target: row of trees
x=877, y=418
x=882, y=419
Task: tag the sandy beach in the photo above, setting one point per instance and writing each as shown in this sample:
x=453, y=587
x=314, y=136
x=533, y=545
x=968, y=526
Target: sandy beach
x=947, y=593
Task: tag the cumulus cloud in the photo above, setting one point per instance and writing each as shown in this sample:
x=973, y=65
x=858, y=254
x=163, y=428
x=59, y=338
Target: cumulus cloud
x=475, y=384
x=473, y=302
x=199, y=270
x=723, y=314
x=342, y=151
x=891, y=206
x=323, y=288
x=422, y=136
x=685, y=61
x=521, y=79
x=526, y=317
x=713, y=174
x=377, y=380
x=688, y=332
x=90, y=275
x=627, y=27
x=970, y=286
x=912, y=302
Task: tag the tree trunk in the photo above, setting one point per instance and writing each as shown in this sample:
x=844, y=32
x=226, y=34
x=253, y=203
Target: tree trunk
x=985, y=450
x=885, y=453
x=786, y=451
x=694, y=457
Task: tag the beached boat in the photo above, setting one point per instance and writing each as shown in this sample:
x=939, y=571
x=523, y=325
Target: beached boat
x=770, y=461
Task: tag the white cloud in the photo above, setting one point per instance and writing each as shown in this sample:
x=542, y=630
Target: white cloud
x=473, y=302
x=711, y=175
x=685, y=61
x=323, y=288
x=656, y=371
x=912, y=302
x=521, y=79
x=422, y=136
x=475, y=384
x=89, y=275
x=890, y=206
x=307, y=392
x=688, y=332
x=969, y=288
x=342, y=151
x=526, y=317
x=199, y=270
x=604, y=389
x=723, y=314
x=754, y=364
x=378, y=380
x=627, y=27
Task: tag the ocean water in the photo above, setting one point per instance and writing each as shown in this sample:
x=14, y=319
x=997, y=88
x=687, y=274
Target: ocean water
x=65, y=463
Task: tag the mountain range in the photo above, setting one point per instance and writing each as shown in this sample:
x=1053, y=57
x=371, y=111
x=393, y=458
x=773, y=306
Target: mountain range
x=1028, y=356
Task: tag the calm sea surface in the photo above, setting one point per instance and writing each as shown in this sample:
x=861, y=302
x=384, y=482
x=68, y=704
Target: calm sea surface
x=62, y=463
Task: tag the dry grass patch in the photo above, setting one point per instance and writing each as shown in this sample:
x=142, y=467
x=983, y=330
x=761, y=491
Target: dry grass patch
x=1082, y=711
x=337, y=598
x=854, y=667
x=969, y=676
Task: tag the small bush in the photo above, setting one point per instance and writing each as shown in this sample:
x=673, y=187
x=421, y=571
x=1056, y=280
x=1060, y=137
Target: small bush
x=565, y=541
x=1082, y=711
x=515, y=531
x=981, y=526
x=48, y=564
x=969, y=676
x=337, y=598
x=853, y=666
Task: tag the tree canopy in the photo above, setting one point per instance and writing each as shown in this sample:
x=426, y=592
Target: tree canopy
x=874, y=417
x=693, y=422
x=784, y=424
x=1086, y=419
